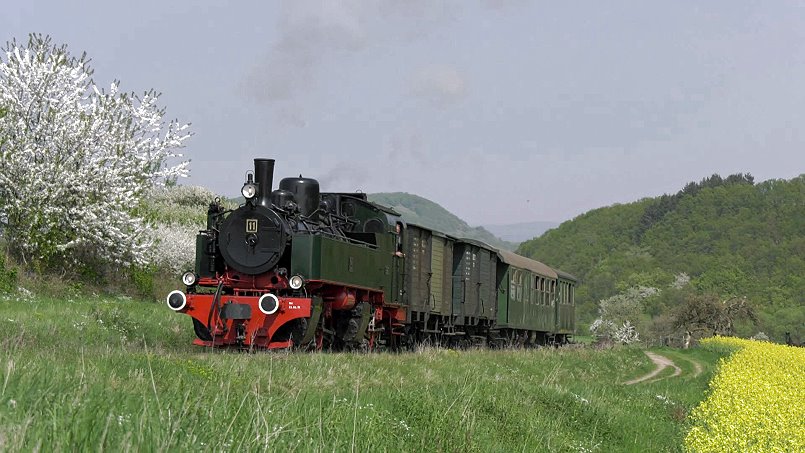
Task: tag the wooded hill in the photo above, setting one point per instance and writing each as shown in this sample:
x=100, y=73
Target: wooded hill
x=421, y=211
x=732, y=237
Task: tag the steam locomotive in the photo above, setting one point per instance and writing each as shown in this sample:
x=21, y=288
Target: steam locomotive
x=296, y=267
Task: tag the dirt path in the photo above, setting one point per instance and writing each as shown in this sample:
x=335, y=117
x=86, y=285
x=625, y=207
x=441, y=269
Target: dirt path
x=697, y=367
x=662, y=362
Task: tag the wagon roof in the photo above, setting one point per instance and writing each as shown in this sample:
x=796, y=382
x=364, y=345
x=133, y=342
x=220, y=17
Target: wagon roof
x=513, y=259
x=432, y=231
x=475, y=242
x=565, y=275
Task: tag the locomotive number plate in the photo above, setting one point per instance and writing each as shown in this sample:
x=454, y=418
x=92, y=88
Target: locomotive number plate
x=251, y=225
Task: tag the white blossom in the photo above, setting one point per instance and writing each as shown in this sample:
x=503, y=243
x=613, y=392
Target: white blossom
x=617, y=314
x=76, y=160
x=626, y=333
x=180, y=204
x=174, y=246
x=177, y=214
x=760, y=336
x=602, y=328
x=680, y=280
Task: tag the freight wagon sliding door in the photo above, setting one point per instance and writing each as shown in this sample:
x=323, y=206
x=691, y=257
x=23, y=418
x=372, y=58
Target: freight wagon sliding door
x=417, y=263
x=462, y=275
x=485, y=285
x=447, y=277
x=437, y=274
x=503, y=294
x=472, y=283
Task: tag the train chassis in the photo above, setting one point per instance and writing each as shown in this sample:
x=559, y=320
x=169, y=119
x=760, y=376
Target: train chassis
x=341, y=321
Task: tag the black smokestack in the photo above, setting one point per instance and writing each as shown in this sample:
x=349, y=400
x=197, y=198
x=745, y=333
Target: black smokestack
x=264, y=177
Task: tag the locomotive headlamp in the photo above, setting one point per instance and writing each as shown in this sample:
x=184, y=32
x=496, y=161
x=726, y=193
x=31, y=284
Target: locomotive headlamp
x=189, y=278
x=249, y=189
x=176, y=300
x=296, y=282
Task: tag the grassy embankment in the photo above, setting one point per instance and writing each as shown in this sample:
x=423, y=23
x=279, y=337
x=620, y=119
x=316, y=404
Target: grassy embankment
x=120, y=375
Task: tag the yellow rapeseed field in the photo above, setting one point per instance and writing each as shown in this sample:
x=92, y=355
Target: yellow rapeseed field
x=756, y=401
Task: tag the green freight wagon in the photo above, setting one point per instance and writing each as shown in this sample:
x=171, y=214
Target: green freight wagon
x=428, y=279
x=474, y=283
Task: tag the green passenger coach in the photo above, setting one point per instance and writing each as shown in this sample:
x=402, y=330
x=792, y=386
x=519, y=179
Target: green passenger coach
x=527, y=299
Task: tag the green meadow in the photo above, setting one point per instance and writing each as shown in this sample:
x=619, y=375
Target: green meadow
x=102, y=374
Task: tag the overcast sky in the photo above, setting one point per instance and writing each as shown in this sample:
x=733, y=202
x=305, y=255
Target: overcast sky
x=500, y=111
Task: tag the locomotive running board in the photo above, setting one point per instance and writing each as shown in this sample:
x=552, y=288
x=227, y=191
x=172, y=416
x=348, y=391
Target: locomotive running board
x=272, y=345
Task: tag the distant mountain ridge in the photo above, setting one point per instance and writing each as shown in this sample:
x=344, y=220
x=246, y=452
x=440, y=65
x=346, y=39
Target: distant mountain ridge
x=421, y=211
x=519, y=232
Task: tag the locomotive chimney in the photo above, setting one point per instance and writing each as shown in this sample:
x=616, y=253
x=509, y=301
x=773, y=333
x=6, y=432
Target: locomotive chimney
x=264, y=177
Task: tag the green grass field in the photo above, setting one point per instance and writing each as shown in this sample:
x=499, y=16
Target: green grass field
x=104, y=374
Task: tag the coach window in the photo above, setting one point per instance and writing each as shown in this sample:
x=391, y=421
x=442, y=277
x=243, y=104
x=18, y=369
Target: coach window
x=516, y=292
x=535, y=288
x=559, y=294
x=553, y=292
x=512, y=286
x=542, y=291
x=539, y=291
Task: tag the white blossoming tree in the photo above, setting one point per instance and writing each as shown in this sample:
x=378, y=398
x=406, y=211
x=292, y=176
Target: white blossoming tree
x=618, y=315
x=76, y=160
